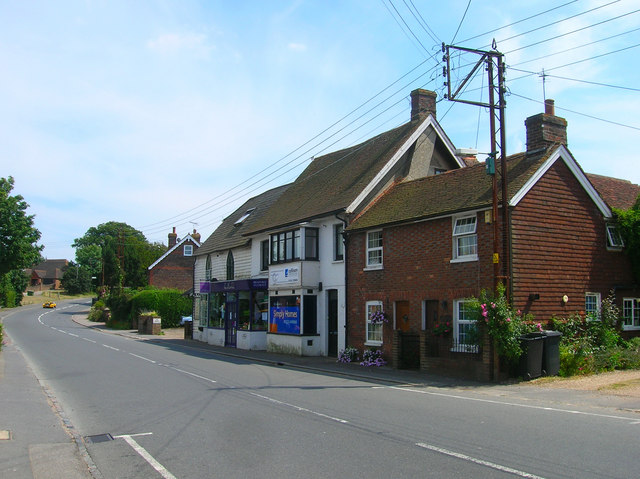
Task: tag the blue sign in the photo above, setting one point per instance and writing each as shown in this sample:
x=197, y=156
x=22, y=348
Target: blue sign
x=285, y=319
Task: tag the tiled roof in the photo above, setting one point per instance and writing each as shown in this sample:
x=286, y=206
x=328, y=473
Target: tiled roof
x=621, y=194
x=50, y=268
x=454, y=191
x=331, y=182
x=229, y=234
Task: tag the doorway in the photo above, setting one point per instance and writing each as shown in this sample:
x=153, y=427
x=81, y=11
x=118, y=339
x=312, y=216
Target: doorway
x=230, y=320
x=402, y=316
x=332, y=328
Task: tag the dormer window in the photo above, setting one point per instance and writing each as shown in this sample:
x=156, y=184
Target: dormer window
x=241, y=220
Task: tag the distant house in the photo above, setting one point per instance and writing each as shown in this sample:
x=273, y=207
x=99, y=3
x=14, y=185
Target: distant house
x=426, y=245
x=46, y=275
x=174, y=269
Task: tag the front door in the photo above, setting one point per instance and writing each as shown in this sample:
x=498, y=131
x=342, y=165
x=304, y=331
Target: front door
x=402, y=315
x=332, y=329
x=230, y=320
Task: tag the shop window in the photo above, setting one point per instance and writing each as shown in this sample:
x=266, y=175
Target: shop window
x=284, y=314
x=216, y=310
x=260, y=313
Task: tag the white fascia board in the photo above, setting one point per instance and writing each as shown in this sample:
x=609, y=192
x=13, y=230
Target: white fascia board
x=562, y=153
x=174, y=248
x=398, y=154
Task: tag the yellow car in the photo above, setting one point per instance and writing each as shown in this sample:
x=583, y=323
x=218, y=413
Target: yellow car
x=49, y=304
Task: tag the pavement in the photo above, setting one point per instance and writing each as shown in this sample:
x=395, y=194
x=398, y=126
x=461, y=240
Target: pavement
x=37, y=441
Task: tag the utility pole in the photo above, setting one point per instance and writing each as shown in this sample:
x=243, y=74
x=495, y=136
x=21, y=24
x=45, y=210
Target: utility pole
x=493, y=62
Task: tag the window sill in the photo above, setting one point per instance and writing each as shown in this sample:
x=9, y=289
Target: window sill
x=465, y=259
x=373, y=268
x=630, y=328
x=373, y=343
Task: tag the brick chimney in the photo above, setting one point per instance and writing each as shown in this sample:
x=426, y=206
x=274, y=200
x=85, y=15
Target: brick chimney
x=545, y=129
x=173, y=237
x=195, y=235
x=423, y=103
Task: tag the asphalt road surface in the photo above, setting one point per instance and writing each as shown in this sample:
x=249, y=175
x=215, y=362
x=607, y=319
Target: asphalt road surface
x=154, y=410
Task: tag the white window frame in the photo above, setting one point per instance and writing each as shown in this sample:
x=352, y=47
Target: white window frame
x=614, y=240
x=460, y=232
x=461, y=326
x=373, y=332
x=594, y=299
x=376, y=250
x=187, y=250
x=630, y=314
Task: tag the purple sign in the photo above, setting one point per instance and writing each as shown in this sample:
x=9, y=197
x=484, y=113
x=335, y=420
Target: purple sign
x=205, y=287
x=285, y=319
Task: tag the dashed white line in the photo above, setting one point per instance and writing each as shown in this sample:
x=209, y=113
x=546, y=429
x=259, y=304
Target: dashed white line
x=299, y=408
x=74, y=335
x=191, y=374
x=110, y=347
x=90, y=340
x=147, y=457
x=481, y=462
x=142, y=357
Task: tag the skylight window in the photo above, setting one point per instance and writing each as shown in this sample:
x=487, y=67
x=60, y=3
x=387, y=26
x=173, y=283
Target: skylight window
x=244, y=217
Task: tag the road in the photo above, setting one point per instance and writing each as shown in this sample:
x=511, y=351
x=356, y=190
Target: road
x=151, y=410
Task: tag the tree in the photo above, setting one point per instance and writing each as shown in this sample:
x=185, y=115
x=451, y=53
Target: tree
x=18, y=236
x=125, y=254
x=76, y=279
x=12, y=285
x=90, y=258
x=629, y=225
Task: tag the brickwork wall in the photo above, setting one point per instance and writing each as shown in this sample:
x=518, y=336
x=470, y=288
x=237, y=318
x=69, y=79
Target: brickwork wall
x=174, y=271
x=417, y=267
x=559, y=246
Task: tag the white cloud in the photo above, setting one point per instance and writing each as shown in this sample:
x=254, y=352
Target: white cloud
x=174, y=42
x=297, y=47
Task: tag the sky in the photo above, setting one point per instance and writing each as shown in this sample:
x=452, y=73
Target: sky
x=172, y=113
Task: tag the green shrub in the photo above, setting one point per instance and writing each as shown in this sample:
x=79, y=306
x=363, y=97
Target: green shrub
x=120, y=305
x=170, y=304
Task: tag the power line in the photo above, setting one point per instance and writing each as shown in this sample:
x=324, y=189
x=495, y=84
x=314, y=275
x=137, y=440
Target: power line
x=530, y=73
x=464, y=15
x=516, y=22
x=582, y=114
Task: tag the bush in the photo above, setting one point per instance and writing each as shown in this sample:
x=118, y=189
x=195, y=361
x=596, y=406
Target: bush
x=98, y=313
x=348, y=355
x=170, y=305
x=120, y=305
x=372, y=357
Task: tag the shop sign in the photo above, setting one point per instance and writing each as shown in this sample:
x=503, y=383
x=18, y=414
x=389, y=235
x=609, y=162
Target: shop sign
x=285, y=319
x=205, y=287
x=284, y=276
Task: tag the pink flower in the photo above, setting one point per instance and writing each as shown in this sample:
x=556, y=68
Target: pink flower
x=485, y=313
x=493, y=305
x=508, y=320
x=539, y=326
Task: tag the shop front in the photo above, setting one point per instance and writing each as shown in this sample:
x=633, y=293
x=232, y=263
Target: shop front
x=293, y=310
x=234, y=313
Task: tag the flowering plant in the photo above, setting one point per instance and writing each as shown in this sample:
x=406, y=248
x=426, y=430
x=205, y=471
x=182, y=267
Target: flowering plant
x=372, y=357
x=441, y=329
x=502, y=323
x=348, y=355
x=378, y=317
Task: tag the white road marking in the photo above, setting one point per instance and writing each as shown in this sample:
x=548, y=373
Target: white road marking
x=299, y=408
x=110, y=347
x=481, y=462
x=146, y=456
x=90, y=340
x=191, y=374
x=74, y=335
x=505, y=403
x=142, y=357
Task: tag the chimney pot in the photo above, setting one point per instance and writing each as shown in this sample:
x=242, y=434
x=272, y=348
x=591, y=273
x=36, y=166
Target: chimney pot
x=549, y=107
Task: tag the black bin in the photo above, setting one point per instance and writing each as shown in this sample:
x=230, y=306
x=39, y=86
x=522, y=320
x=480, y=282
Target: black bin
x=551, y=353
x=531, y=359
